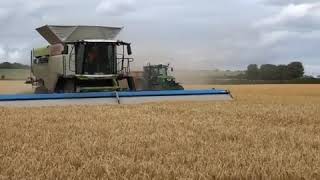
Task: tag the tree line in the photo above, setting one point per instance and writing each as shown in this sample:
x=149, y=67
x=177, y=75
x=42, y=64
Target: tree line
x=294, y=70
x=8, y=65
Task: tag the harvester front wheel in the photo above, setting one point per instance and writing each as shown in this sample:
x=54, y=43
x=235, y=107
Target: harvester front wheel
x=69, y=86
x=65, y=86
x=41, y=90
x=131, y=83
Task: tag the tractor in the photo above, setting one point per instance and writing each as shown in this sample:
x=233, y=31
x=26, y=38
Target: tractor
x=156, y=77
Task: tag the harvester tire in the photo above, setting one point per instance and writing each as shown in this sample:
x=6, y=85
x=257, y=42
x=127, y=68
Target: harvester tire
x=69, y=86
x=131, y=83
x=41, y=90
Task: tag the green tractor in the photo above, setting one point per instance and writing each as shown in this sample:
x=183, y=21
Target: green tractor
x=156, y=78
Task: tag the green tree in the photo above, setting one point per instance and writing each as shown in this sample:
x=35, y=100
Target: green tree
x=283, y=72
x=269, y=72
x=7, y=65
x=295, y=70
x=252, y=72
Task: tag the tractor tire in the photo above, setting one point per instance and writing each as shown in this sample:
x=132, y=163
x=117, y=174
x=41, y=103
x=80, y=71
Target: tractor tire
x=179, y=87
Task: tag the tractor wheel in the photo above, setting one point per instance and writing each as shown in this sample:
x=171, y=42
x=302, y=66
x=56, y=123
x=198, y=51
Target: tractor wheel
x=179, y=87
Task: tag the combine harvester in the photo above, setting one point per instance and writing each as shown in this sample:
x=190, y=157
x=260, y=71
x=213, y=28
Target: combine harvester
x=86, y=65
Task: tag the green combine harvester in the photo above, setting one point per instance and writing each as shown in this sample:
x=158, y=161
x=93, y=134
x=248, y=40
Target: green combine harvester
x=88, y=65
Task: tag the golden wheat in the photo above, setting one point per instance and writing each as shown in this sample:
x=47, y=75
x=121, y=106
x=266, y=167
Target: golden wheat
x=268, y=131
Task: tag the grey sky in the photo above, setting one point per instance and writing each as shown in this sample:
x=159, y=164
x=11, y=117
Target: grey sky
x=202, y=34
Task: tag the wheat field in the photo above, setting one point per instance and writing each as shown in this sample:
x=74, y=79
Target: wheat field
x=267, y=132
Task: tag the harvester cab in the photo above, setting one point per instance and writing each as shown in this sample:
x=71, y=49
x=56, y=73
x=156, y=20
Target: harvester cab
x=157, y=78
x=81, y=59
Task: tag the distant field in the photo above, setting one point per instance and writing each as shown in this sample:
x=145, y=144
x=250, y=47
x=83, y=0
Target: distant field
x=15, y=74
x=14, y=87
x=267, y=132
x=202, y=77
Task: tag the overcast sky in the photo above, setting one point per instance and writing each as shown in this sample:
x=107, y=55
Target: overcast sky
x=203, y=34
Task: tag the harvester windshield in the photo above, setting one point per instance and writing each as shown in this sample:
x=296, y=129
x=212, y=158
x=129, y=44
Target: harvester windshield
x=96, y=58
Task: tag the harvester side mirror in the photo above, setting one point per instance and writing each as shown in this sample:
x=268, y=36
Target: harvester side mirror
x=129, y=51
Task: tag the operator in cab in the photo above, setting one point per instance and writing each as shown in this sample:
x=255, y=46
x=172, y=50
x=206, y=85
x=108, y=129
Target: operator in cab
x=92, y=61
